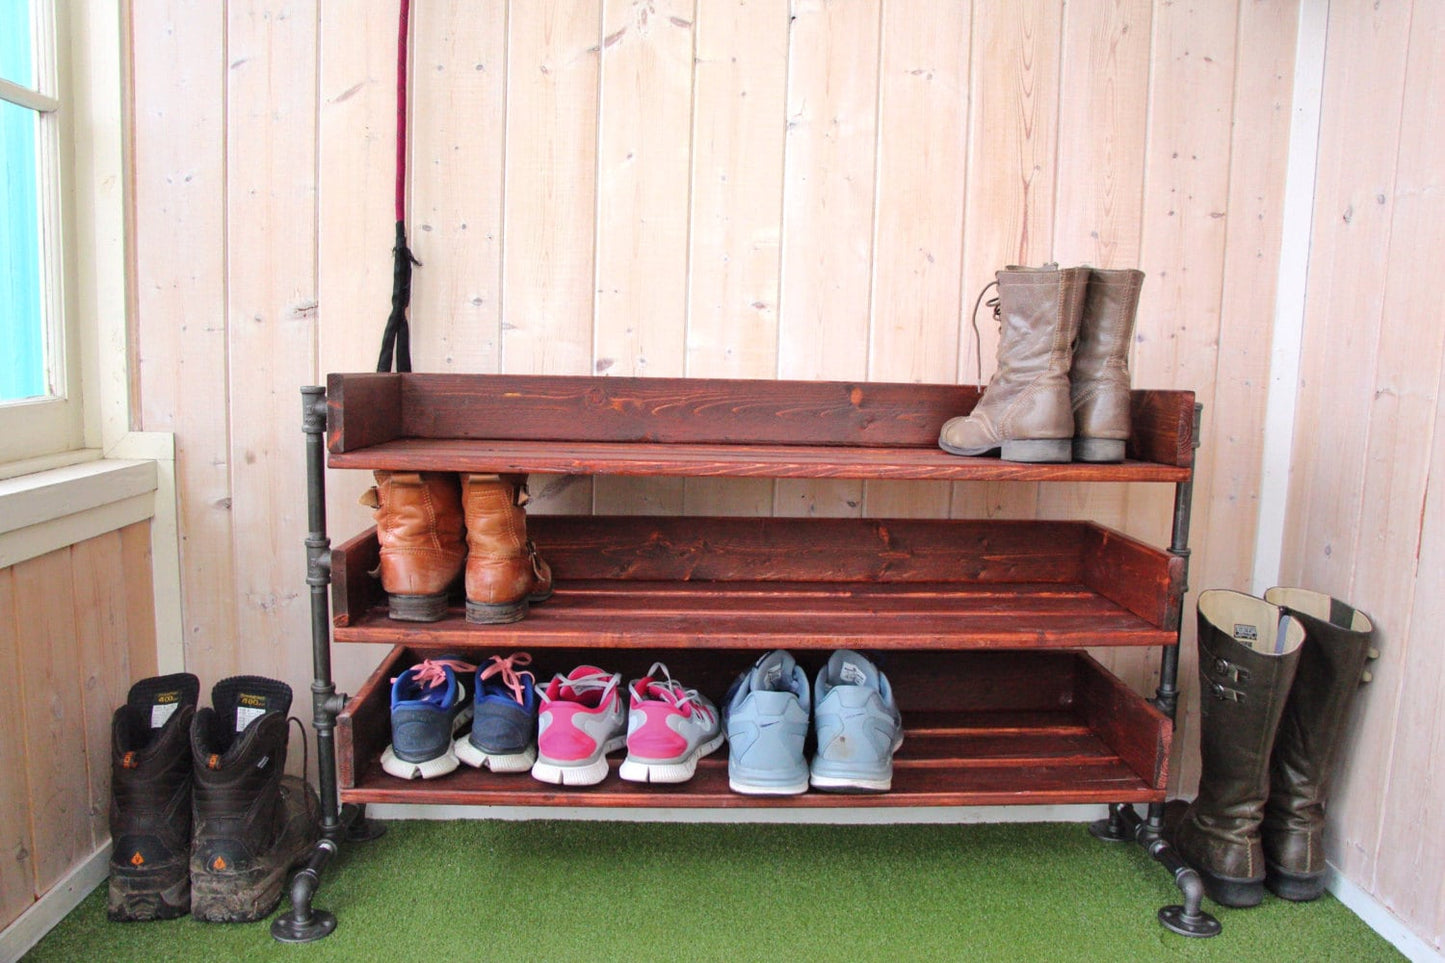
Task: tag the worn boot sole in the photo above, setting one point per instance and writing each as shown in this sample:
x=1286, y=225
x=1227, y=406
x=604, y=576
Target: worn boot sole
x=1098, y=449
x=1295, y=888
x=1037, y=450
x=1235, y=893
x=486, y=613
x=161, y=893
x=417, y=608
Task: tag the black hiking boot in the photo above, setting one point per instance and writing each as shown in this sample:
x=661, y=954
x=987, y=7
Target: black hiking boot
x=252, y=822
x=150, y=800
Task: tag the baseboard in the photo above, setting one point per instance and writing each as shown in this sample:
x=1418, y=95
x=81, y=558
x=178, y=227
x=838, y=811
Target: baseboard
x=823, y=816
x=57, y=902
x=1377, y=916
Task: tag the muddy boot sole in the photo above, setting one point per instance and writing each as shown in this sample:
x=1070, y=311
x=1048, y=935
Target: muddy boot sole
x=161, y=893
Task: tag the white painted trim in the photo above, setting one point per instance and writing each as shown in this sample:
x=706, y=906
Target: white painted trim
x=47, y=537
x=60, y=459
x=13, y=93
x=47, y=496
x=1378, y=917
x=54, y=905
x=1289, y=302
x=847, y=815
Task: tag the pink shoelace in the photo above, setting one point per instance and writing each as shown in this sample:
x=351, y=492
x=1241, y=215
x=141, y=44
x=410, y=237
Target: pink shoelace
x=432, y=672
x=667, y=689
x=507, y=669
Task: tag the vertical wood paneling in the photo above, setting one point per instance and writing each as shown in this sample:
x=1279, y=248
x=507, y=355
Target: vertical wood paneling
x=140, y=612
x=17, y=845
x=1401, y=518
x=643, y=149
x=102, y=641
x=457, y=142
x=271, y=308
x=550, y=202
x=51, y=704
x=1008, y=214
x=918, y=246
x=179, y=75
x=739, y=106
x=828, y=201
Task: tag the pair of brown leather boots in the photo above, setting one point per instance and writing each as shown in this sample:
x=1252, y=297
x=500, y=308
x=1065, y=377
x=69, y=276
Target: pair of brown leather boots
x=1277, y=678
x=432, y=525
x=1061, y=389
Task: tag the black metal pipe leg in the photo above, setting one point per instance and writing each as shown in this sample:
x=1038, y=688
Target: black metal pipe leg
x=1113, y=828
x=1188, y=919
x=359, y=829
x=305, y=923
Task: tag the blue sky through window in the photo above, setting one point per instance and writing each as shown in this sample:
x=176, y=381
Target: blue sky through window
x=22, y=343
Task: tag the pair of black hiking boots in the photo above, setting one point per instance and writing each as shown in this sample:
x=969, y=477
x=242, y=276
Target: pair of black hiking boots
x=203, y=818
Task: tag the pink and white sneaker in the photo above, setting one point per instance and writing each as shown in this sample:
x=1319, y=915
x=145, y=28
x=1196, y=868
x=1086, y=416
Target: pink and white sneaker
x=580, y=721
x=669, y=729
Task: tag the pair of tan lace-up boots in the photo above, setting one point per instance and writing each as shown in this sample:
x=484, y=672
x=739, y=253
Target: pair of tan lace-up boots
x=1061, y=389
x=433, y=525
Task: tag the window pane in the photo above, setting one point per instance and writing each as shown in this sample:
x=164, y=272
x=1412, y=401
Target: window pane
x=15, y=60
x=22, y=325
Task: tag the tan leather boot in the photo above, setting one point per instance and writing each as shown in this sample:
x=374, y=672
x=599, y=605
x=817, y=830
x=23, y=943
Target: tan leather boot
x=1099, y=378
x=1025, y=411
x=419, y=525
x=504, y=571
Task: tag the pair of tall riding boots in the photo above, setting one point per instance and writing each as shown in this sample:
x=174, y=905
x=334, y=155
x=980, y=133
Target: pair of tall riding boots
x=435, y=526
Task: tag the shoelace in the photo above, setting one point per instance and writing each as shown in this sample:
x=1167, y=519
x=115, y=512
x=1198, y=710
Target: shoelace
x=600, y=682
x=667, y=689
x=511, y=678
x=977, y=338
x=432, y=672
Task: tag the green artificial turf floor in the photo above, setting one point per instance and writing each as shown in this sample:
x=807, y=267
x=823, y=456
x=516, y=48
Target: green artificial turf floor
x=552, y=890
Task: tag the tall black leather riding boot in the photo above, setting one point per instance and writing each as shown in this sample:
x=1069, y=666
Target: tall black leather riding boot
x=150, y=800
x=1331, y=666
x=1248, y=652
x=252, y=823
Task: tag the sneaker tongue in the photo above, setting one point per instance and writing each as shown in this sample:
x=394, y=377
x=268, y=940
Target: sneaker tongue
x=847, y=667
x=774, y=672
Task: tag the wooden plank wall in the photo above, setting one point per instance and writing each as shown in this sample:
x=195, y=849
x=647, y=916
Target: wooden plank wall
x=787, y=188
x=1365, y=522
x=81, y=614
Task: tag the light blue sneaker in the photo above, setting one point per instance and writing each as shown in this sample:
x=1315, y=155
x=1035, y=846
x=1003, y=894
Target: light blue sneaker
x=766, y=717
x=858, y=726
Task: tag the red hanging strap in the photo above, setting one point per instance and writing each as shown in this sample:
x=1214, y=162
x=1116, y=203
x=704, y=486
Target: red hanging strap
x=396, y=339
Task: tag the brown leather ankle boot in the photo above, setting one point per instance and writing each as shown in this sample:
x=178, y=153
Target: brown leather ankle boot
x=504, y=571
x=1099, y=379
x=1331, y=668
x=1248, y=653
x=1025, y=411
x=419, y=525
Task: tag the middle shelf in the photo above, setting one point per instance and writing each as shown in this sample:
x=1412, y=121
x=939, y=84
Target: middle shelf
x=757, y=583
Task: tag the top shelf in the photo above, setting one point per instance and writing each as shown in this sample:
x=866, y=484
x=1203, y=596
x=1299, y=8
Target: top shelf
x=702, y=427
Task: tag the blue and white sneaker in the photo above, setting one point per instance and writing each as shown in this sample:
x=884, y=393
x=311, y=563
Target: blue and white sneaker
x=858, y=726
x=503, y=737
x=429, y=704
x=766, y=717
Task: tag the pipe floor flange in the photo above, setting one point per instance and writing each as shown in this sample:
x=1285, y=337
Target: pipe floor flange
x=1110, y=831
x=1199, y=925
x=286, y=929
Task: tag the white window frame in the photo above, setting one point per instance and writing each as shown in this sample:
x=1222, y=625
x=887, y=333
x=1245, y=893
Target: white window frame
x=54, y=424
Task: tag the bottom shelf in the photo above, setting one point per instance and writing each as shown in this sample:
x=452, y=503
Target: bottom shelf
x=980, y=728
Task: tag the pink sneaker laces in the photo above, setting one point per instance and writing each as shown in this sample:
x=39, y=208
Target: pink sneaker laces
x=666, y=689
x=582, y=687
x=432, y=672
x=511, y=678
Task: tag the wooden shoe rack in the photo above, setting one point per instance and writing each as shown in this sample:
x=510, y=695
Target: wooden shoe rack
x=979, y=624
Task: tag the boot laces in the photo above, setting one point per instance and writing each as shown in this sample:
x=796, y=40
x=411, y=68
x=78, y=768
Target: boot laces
x=977, y=338
x=506, y=668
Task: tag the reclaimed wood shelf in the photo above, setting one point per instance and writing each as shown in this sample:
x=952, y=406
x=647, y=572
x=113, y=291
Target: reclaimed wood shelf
x=978, y=623
x=760, y=583
x=981, y=728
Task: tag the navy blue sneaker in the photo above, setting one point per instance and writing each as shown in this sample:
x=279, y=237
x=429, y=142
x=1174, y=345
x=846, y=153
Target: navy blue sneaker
x=504, y=728
x=429, y=705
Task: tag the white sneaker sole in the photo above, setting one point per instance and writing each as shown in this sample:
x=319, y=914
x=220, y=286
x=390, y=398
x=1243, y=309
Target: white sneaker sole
x=431, y=768
x=588, y=773
x=495, y=761
x=673, y=771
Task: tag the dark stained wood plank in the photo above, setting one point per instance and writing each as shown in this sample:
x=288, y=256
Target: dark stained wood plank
x=362, y=410
x=736, y=461
x=1139, y=577
x=1139, y=733
x=353, y=588
x=363, y=728
x=1162, y=427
